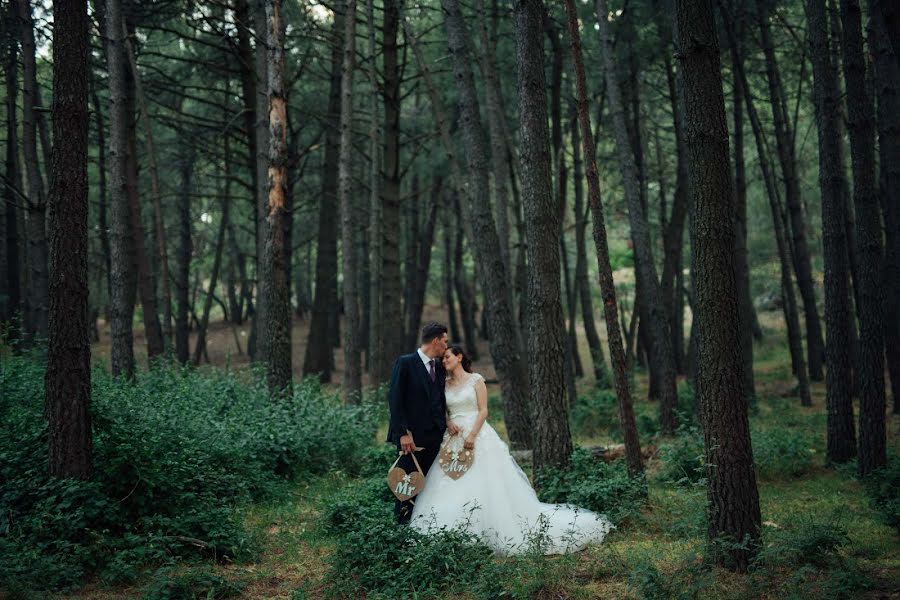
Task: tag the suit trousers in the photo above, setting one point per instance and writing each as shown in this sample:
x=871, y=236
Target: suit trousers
x=430, y=445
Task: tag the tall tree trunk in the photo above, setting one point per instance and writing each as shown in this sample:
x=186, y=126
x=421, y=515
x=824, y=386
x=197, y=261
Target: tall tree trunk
x=38, y=291
x=841, y=435
x=422, y=264
x=646, y=270
x=120, y=239
x=464, y=291
x=101, y=193
x=392, y=337
x=449, y=244
x=741, y=260
x=791, y=315
x=887, y=86
x=11, y=274
x=861, y=127
x=506, y=346
x=733, y=499
x=352, y=365
x=607, y=286
x=375, y=338
x=546, y=332
x=673, y=232
x=185, y=252
x=68, y=376
x=582, y=283
x=787, y=157
x=160, y=229
x=277, y=322
x=319, y=358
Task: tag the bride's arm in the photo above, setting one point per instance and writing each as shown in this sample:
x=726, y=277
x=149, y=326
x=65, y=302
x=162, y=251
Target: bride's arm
x=481, y=396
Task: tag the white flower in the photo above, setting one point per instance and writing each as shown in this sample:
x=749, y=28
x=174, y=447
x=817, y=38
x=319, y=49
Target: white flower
x=406, y=478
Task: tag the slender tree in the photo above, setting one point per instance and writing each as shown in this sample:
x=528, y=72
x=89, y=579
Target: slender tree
x=733, y=500
x=277, y=321
x=11, y=267
x=352, y=333
x=841, y=435
x=607, y=286
x=68, y=376
x=861, y=127
x=658, y=326
x=120, y=238
x=546, y=335
x=506, y=345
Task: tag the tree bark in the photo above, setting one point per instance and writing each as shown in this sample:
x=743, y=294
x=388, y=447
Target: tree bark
x=546, y=332
x=733, y=500
x=646, y=270
x=160, y=230
x=791, y=315
x=68, y=376
x=11, y=274
x=352, y=365
x=375, y=341
x=841, y=435
x=36, y=317
x=185, y=252
x=319, y=358
x=633, y=457
x=277, y=321
x=601, y=376
x=392, y=336
x=787, y=157
x=421, y=268
x=861, y=127
x=505, y=343
x=120, y=239
x=887, y=92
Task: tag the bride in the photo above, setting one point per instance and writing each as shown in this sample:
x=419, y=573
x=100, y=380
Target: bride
x=494, y=499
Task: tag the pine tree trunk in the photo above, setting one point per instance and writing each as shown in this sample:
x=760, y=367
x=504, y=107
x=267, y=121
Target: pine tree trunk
x=791, y=314
x=546, y=332
x=607, y=287
x=392, y=336
x=650, y=292
x=421, y=268
x=375, y=338
x=887, y=91
x=741, y=260
x=506, y=347
x=601, y=376
x=841, y=435
x=319, y=358
x=68, y=376
x=120, y=238
x=101, y=193
x=352, y=385
x=38, y=292
x=277, y=322
x=861, y=127
x=733, y=499
x=185, y=252
x=11, y=273
x=784, y=137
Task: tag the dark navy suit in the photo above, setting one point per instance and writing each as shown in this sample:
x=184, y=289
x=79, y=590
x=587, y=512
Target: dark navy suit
x=418, y=405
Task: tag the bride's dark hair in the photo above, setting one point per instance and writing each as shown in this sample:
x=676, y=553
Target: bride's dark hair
x=458, y=351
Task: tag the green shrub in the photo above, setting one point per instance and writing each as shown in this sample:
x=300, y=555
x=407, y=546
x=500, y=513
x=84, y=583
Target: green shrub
x=810, y=540
x=593, y=484
x=594, y=413
x=175, y=453
x=780, y=452
x=883, y=488
x=684, y=458
x=167, y=584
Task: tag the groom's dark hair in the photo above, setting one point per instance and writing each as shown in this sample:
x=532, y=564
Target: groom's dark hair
x=432, y=330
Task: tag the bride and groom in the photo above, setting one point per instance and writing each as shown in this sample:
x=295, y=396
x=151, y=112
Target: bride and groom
x=433, y=396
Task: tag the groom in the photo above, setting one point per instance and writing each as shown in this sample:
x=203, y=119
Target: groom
x=418, y=406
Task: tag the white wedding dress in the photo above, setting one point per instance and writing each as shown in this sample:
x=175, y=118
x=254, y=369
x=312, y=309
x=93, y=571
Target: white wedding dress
x=494, y=499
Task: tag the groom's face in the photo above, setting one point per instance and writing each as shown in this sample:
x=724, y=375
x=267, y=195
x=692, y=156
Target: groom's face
x=438, y=346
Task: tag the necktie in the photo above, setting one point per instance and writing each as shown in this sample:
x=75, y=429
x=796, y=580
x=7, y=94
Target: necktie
x=431, y=370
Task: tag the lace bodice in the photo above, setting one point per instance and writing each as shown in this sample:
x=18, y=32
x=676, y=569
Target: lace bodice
x=461, y=398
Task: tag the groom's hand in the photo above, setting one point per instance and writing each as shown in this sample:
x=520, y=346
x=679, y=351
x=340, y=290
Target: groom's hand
x=407, y=444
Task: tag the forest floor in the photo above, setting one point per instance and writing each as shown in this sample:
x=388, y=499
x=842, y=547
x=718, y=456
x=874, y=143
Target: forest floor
x=649, y=555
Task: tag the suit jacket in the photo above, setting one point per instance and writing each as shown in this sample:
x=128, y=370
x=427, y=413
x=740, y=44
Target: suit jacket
x=416, y=403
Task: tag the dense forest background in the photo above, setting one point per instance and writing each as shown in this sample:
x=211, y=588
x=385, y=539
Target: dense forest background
x=665, y=231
